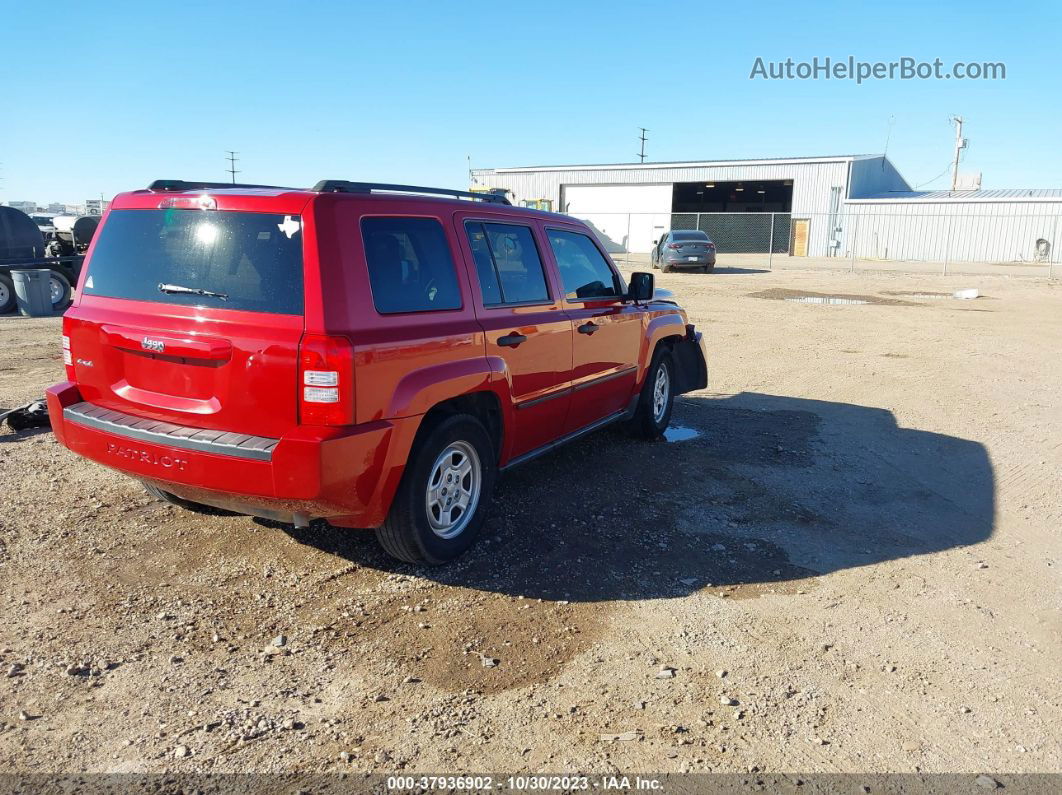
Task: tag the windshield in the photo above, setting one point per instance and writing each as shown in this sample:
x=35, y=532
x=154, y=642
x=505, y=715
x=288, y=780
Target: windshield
x=224, y=259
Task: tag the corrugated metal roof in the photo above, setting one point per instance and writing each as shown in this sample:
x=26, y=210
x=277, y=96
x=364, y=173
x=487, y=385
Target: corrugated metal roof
x=997, y=195
x=678, y=164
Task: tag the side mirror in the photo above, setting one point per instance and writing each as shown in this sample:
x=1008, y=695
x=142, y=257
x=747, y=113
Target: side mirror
x=641, y=287
x=656, y=241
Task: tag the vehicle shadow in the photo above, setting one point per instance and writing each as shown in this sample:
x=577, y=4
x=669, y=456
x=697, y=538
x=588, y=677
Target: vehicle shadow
x=7, y=435
x=735, y=270
x=765, y=491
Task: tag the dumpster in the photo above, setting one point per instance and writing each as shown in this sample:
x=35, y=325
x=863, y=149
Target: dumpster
x=33, y=291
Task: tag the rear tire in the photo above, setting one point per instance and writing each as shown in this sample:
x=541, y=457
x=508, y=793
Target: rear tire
x=443, y=497
x=7, y=294
x=188, y=505
x=59, y=287
x=657, y=399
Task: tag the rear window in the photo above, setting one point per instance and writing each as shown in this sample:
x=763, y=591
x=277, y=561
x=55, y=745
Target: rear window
x=689, y=236
x=239, y=260
x=410, y=266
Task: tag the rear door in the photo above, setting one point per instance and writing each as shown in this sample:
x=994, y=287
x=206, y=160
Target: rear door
x=193, y=317
x=608, y=330
x=525, y=325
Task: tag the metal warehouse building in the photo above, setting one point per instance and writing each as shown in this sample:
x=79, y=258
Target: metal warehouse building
x=1002, y=226
x=803, y=189
x=855, y=206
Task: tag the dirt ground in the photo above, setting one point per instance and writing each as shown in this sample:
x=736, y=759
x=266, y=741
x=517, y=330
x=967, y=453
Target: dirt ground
x=851, y=563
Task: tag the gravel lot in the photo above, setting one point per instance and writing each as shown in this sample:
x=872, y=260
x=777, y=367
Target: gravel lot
x=852, y=565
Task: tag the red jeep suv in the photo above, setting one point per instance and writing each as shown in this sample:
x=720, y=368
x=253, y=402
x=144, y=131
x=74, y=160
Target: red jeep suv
x=368, y=354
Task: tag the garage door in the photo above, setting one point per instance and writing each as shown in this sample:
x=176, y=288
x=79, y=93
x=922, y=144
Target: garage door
x=626, y=217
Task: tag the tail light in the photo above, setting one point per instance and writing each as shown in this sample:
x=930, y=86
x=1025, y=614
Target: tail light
x=68, y=360
x=673, y=245
x=711, y=246
x=326, y=380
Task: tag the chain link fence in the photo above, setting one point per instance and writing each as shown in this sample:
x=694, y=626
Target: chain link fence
x=978, y=240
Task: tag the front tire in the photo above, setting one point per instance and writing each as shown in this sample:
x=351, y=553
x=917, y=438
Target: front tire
x=657, y=399
x=444, y=494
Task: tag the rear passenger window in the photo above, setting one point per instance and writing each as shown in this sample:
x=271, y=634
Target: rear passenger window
x=508, y=264
x=410, y=265
x=583, y=270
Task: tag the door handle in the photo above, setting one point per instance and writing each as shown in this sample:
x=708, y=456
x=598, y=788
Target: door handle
x=588, y=328
x=511, y=340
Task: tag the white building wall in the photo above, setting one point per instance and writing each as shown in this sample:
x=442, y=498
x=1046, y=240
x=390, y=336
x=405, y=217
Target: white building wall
x=953, y=231
x=624, y=216
x=812, y=180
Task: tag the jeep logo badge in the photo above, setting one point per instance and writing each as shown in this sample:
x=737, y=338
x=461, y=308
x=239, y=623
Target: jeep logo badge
x=155, y=346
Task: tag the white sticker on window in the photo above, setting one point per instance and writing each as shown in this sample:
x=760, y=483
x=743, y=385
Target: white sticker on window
x=265, y=235
x=290, y=226
x=88, y=282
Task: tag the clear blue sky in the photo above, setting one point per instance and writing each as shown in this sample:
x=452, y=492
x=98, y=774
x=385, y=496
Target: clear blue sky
x=102, y=97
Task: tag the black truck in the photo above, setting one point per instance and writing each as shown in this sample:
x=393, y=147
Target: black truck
x=22, y=245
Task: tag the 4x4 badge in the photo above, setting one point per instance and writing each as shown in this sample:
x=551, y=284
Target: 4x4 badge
x=155, y=346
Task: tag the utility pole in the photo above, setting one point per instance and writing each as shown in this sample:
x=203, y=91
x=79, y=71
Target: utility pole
x=960, y=144
x=643, y=139
x=231, y=157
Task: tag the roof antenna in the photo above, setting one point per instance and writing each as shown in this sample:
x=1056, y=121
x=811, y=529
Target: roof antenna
x=888, y=136
x=643, y=139
x=231, y=157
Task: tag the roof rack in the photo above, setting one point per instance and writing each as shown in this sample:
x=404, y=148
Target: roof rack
x=182, y=185
x=343, y=186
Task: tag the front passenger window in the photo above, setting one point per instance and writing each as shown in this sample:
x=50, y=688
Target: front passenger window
x=584, y=271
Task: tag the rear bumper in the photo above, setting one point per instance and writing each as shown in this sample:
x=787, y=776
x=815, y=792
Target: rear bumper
x=347, y=475
x=683, y=262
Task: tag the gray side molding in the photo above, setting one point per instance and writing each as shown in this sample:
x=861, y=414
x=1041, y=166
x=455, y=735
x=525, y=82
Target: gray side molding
x=237, y=445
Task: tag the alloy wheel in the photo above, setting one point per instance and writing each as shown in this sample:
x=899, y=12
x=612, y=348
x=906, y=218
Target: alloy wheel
x=453, y=489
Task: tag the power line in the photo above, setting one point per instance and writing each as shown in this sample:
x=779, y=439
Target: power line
x=231, y=157
x=953, y=165
x=947, y=168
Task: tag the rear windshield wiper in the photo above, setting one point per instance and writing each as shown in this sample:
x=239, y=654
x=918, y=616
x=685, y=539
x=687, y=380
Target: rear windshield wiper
x=180, y=288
